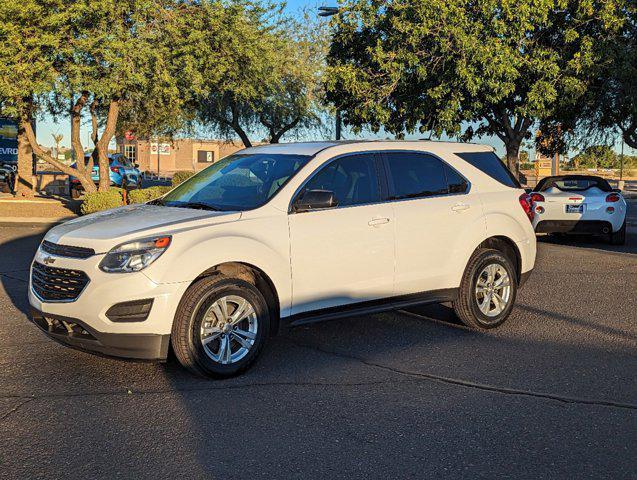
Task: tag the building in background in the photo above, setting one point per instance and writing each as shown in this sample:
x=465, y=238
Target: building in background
x=181, y=154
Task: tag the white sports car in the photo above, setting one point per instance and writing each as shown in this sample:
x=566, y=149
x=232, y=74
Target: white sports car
x=579, y=204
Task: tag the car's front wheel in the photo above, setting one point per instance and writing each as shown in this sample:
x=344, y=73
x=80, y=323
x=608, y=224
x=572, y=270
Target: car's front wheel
x=487, y=291
x=220, y=326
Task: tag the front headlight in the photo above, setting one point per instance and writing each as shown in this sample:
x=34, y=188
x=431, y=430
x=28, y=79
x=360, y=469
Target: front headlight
x=134, y=256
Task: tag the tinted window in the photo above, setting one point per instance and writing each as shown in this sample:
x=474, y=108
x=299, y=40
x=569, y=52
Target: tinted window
x=455, y=182
x=352, y=179
x=415, y=175
x=490, y=164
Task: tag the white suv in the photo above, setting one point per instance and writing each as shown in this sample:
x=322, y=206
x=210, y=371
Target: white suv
x=281, y=235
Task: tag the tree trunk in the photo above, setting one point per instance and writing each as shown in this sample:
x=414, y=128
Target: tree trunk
x=83, y=177
x=24, y=176
x=102, y=145
x=513, y=157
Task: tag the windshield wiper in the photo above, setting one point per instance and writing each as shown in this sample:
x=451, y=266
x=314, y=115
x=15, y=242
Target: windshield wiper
x=196, y=205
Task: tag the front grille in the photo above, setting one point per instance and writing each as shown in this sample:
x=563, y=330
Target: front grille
x=57, y=284
x=67, y=250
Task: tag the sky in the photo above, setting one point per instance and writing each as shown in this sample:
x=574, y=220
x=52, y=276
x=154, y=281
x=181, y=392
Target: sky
x=46, y=127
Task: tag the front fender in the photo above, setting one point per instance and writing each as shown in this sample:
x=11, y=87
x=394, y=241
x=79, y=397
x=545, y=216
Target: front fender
x=189, y=255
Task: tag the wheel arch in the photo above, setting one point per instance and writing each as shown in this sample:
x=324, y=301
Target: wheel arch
x=256, y=276
x=508, y=247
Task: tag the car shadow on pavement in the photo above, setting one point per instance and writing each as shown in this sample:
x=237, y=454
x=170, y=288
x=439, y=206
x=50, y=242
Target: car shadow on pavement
x=16, y=255
x=593, y=242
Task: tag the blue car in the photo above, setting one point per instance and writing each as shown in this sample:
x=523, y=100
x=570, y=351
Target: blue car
x=123, y=174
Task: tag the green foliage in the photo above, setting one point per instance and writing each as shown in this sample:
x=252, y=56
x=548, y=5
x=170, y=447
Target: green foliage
x=601, y=156
x=147, y=194
x=258, y=70
x=609, y=105
x=181, y=176
x=98, y=201
x=462, y=68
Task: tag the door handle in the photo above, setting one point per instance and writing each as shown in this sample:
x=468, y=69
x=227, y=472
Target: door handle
x=377, y=222
x=460, y=207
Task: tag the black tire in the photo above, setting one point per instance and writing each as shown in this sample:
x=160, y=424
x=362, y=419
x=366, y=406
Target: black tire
x=466, y=305
x=619, y=237
x=186, y=338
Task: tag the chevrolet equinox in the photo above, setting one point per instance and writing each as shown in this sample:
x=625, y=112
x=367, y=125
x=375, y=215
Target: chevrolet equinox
x=281, y=235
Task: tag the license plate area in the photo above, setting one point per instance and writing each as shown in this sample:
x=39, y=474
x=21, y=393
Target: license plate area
x=575, y=208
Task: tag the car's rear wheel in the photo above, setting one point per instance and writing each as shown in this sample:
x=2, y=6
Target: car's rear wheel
x=487, y=291
x=220, y=326
x=619, y=237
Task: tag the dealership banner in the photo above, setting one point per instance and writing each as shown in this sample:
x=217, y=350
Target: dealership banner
x=8, y=141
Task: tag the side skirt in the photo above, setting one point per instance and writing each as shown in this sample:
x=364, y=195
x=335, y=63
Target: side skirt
x=372, y=306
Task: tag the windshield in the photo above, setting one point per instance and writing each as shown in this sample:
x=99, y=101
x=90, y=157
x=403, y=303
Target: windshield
x=237, y=182
x=573, y=184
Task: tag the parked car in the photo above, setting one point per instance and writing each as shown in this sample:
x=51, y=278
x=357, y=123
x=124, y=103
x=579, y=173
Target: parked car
x=123, y=174
x=282, y=235
x=579, y=204
x=7, y=177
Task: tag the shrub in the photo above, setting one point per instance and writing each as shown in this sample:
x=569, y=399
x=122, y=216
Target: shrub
x=147, y=194
x=181, y=176
x=98, y=201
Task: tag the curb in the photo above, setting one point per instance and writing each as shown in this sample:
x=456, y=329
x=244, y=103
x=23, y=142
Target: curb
x=33, y=221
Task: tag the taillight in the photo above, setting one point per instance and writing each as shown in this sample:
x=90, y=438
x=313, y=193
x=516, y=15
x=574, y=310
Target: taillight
x=115, y=169
x=613, y=197
x=526, y=203
x=537, y=197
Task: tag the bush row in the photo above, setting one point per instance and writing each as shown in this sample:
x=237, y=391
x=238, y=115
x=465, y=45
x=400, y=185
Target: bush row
x=114, y=197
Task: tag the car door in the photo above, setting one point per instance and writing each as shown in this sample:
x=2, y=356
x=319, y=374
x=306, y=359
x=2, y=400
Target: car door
x=345, y=254
x=432, y=210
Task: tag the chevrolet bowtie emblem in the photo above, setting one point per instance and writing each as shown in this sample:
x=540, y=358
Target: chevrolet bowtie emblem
x=48, y=260
x=8, y=131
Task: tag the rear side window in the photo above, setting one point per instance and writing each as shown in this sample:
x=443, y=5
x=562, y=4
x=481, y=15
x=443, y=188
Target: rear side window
x=413, y=175
x=352, y=179
x=489, y=163
x=456, y=183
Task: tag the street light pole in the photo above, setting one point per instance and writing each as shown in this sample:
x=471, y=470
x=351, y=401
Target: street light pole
x=328, y=12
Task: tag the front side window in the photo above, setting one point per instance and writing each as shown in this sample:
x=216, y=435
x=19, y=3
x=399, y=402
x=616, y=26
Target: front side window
x=352, y=179
x=235, y=183
x=414, y=175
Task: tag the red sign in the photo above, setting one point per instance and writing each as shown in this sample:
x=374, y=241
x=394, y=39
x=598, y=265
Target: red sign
x=129, y=135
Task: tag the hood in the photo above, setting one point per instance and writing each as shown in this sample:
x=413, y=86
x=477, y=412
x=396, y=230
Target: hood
x=103, y=230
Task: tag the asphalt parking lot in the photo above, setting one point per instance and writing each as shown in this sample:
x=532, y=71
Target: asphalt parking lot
x=551, y=394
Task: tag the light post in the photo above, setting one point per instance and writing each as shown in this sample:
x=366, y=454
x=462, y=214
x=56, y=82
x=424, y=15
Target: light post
x=328, y=12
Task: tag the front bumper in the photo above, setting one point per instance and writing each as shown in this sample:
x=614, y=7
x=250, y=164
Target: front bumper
x=77, y=334
x=121, y=332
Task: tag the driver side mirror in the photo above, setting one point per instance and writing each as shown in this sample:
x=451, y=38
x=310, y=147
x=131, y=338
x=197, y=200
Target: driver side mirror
x=315, y=200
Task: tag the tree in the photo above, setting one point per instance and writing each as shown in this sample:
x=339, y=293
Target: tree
x=611, y=101
x=65, y=57
x=28, y=42
x=462, y=68
x=268, y=75
x=597, y=156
